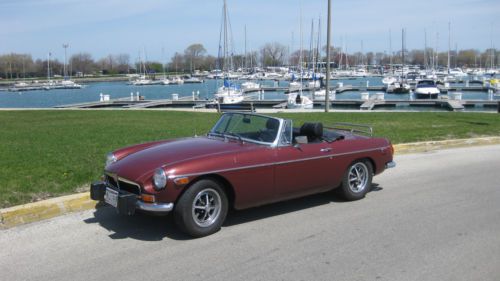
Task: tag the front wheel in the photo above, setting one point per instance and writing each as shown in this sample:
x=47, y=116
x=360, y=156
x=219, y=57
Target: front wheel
x=202, y=209
x=357, y=180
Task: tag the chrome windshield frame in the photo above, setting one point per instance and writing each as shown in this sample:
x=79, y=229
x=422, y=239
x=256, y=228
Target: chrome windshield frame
x=274, y=143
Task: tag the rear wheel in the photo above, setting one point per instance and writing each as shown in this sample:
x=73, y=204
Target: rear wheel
x=202, y=209
x=357, y=180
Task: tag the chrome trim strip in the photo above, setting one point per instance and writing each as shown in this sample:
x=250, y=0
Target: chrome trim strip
x=390, y=165
x=155, y=207
x=129, y=182
x=276, y=163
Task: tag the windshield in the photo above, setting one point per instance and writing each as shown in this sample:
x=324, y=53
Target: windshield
x=248, y=127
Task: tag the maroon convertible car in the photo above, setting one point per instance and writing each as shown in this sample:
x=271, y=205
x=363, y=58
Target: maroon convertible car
x=245, y=160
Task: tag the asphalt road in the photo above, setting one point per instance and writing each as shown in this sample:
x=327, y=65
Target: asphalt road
x=436, y=216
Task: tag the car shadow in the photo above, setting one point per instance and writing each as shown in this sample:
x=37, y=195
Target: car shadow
x=146, y=227
x=236, y=217
x=139, y=226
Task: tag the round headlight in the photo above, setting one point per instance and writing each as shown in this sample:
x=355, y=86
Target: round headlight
x=110, y=159
x=159, y=179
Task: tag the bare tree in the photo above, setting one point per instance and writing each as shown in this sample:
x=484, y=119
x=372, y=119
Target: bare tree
x=193, y=55
x=16, y=65
x=82, y=62
x=122, y=63
x=176, y=63
x=273, y=54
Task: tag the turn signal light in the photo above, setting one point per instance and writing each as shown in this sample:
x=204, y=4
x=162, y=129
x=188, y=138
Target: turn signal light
x=181, y=181
x=148, y=198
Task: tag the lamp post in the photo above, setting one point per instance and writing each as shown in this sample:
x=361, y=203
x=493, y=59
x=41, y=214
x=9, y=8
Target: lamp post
x=327, y=86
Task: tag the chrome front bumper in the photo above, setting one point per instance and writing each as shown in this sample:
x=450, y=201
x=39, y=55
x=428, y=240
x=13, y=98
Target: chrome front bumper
x=127, y=203
x=154, y=207
x=390, y=165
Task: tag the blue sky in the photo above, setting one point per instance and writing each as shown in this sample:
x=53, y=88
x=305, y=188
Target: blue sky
x=103, y=27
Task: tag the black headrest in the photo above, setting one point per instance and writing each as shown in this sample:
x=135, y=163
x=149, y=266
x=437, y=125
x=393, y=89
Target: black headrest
x=312, y=130
x=272, y=124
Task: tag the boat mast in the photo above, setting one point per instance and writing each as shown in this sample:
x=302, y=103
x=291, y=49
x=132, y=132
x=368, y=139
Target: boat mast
x=362, y=56
x=318, y=46
x=449, y=46
x=341, y=52
x=403, y=51
x=425, y=49
x=245, y=63
x=65, y=46
x=225, y=67
x=311, y=47
x=436, y=60
x=162, y=62
x=390, y=52
x=301, y=50
x=327, y=85
x=24, y=69
x=492, y=56
x=48, y=67
x=292, y=46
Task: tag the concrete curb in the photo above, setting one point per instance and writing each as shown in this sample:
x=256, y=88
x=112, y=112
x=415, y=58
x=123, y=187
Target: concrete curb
x=50, y=208
x=415, y=147
x=45, y=209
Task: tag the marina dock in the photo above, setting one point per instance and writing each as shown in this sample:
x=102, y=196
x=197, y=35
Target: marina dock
x=368, y=105
x=371, y=98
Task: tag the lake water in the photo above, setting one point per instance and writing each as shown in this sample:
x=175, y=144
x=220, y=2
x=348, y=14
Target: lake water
x=91, y=93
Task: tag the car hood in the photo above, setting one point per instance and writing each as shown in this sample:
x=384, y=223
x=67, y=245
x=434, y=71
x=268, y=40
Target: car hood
x=145, y=161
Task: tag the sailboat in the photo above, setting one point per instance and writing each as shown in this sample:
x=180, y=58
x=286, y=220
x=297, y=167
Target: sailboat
x=400, y=86
x=228, y=92
x=143, y=80
x=298, y=100
x=67, y=83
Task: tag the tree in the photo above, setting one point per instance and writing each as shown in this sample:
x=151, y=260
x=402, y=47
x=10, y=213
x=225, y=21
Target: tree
x=208, y=63
x=416, y=57
x=370, y=58
x=193, y=55
x=122, y=63
x=273, y=54
x=176, y=62
x=16, y=66
x=82, y=62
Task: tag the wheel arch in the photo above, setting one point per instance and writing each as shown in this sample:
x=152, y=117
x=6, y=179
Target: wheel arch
x=370, y=160
x=224, y=183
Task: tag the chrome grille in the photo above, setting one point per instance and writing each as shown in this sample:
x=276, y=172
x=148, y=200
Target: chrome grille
x=123, y=184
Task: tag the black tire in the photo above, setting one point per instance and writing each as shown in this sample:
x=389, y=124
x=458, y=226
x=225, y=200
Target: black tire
x=196, y=218
x=357, y=180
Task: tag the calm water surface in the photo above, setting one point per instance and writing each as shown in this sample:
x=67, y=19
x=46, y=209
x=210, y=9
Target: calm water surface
x=91, y=93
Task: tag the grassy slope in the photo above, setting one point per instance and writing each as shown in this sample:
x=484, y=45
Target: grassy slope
x=48, y=153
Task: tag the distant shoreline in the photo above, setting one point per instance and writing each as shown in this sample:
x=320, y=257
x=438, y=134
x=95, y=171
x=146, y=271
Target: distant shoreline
x=7, y=83
x=4, y=83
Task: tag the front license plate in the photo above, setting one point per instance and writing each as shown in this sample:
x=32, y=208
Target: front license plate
x=111, y=197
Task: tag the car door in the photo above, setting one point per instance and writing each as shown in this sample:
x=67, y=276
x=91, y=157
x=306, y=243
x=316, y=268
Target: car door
x=303, y=169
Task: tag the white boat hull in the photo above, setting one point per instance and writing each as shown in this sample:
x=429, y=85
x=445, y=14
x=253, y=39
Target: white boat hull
x=427, y=93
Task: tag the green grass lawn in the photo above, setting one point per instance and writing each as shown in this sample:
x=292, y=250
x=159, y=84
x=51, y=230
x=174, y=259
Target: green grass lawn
x=47, y=153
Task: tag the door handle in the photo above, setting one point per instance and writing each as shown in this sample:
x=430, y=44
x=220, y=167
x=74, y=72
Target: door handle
x=325, y=149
